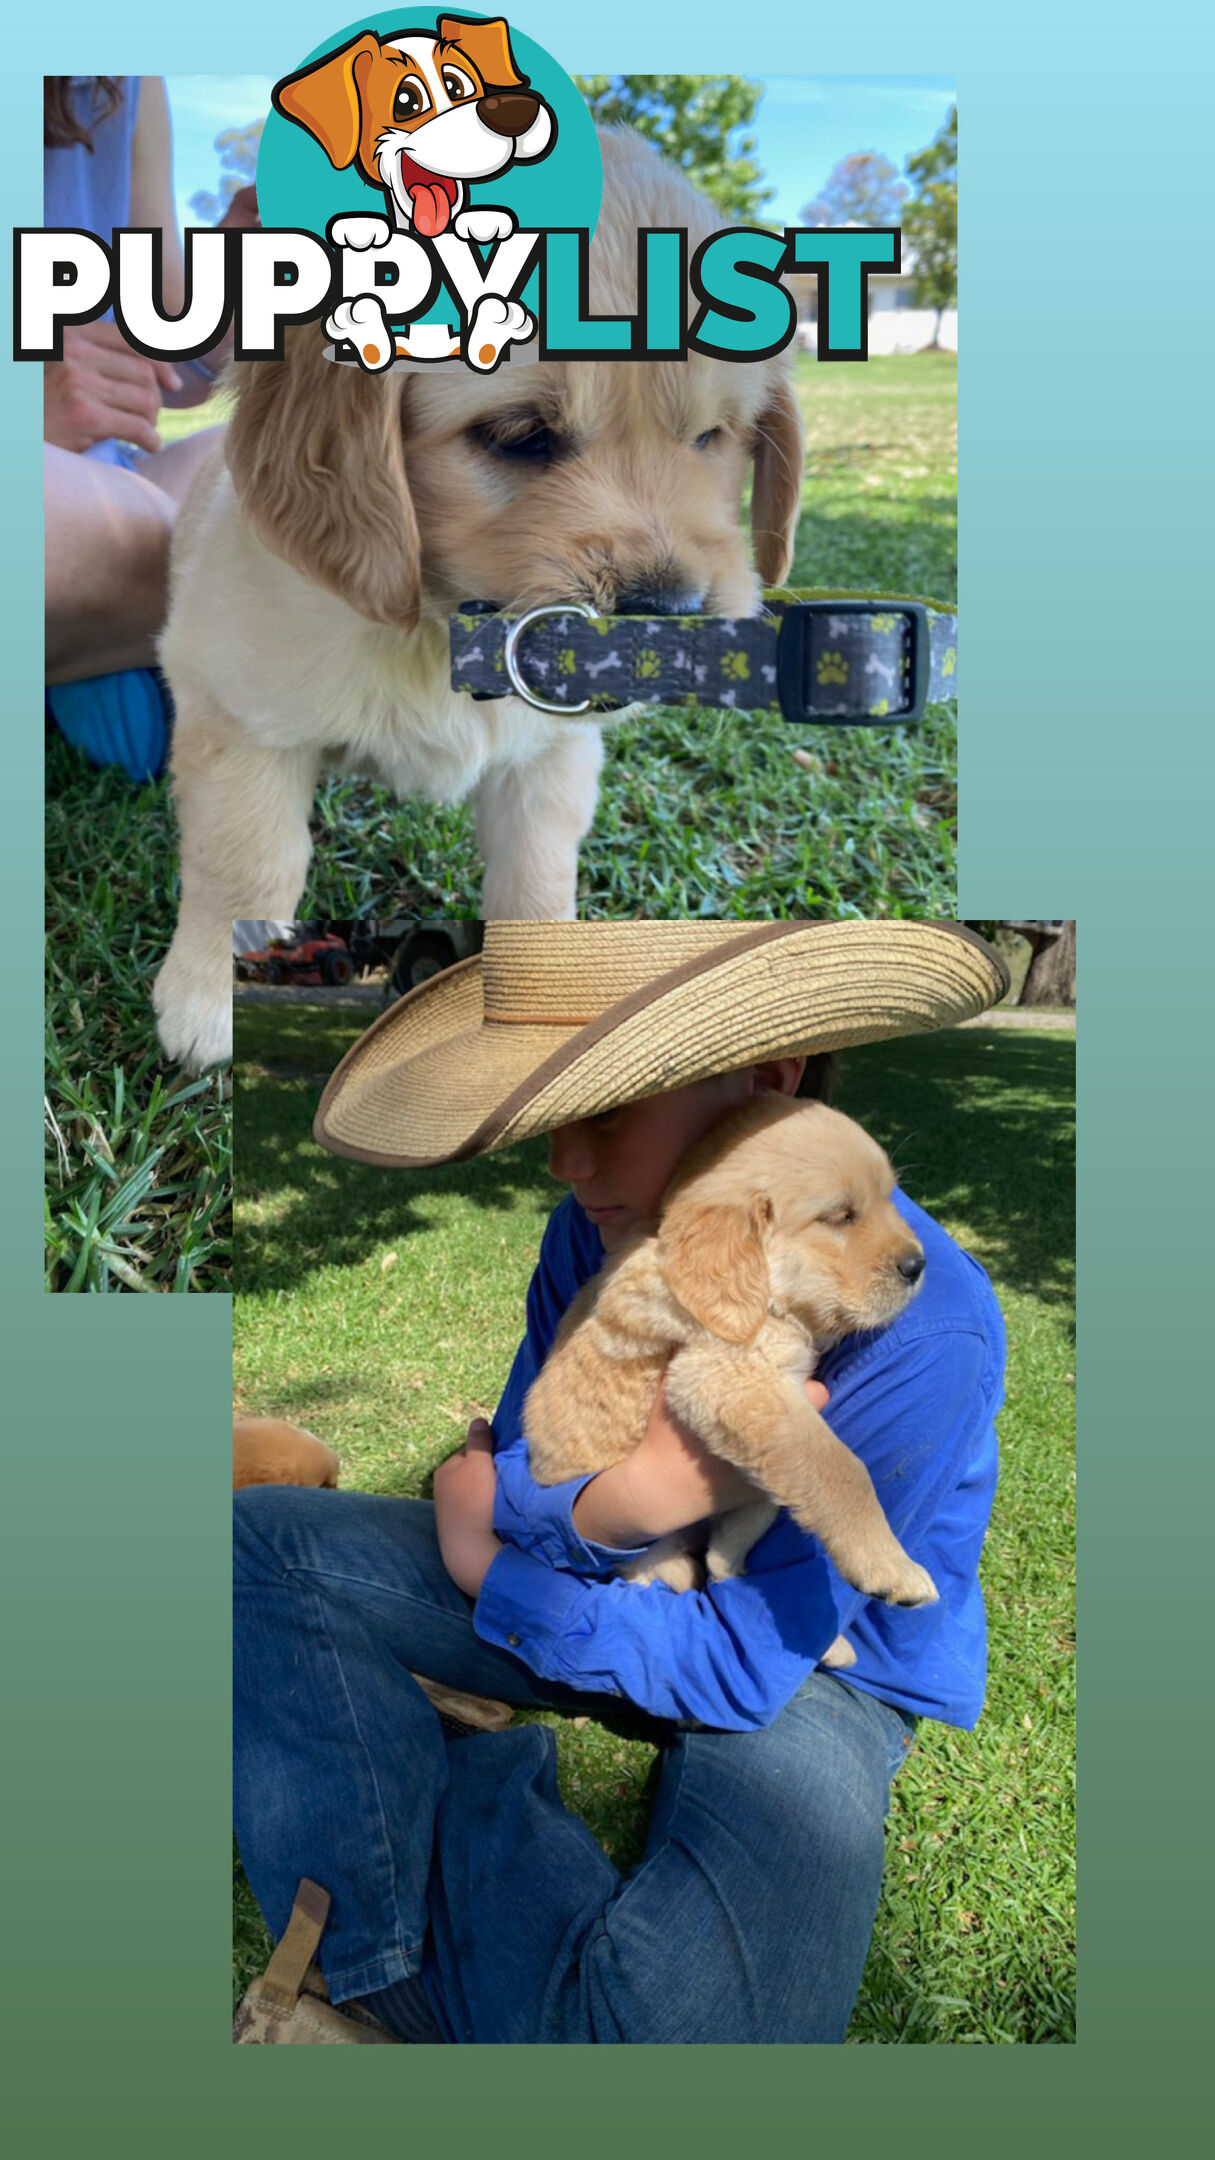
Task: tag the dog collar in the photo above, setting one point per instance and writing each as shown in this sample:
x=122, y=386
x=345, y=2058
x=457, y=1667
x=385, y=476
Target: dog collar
x=835, y=659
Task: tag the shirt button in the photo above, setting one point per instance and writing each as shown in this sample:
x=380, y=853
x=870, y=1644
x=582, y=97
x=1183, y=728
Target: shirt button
x=513, y=1641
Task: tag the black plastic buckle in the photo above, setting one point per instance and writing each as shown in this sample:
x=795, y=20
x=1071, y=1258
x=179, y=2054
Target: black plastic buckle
x=795, y=652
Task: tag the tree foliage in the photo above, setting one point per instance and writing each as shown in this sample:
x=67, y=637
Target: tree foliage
x=696, y=121
x=864, y=189
x=237, y=149
x=930, y=221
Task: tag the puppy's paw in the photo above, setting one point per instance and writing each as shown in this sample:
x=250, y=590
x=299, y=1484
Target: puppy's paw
x=195, y=1028
x=681, y=1571
x=838, y=1655
x=911, y=1585
x=496, y=323
x=484, y=225
x=360, y=232
x=363, y=323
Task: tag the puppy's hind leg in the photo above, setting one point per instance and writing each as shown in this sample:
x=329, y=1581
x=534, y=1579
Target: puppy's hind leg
x=530, y=819
x=243, y=812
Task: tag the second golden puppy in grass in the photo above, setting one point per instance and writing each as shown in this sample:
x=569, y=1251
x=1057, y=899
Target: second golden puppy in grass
x=777, y=1238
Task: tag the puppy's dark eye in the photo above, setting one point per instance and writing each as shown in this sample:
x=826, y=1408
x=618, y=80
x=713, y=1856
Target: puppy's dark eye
x=519, y=442
x=710, y=436
x=839, y=1218
x=409, y=101
x=456, y=85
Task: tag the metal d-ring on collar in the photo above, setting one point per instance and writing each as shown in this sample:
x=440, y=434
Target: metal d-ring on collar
x=510, y=652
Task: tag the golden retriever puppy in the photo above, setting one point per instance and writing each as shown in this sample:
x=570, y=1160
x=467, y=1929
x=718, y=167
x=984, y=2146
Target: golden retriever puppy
x=316, y=563
x=777, y=1238
x=268, y=1451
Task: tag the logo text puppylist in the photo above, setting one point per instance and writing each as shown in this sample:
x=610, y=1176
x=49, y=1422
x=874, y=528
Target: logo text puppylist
x=460, y=261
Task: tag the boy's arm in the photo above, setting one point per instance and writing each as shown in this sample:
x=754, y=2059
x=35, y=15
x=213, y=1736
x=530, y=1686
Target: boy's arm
x=539, y=1519
x=731, y=1656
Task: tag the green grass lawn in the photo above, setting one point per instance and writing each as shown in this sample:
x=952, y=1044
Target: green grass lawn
x=704, y=815
x=382, y=1310
x=138, y=1159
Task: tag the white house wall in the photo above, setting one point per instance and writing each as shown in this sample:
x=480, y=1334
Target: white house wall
x=896, y=330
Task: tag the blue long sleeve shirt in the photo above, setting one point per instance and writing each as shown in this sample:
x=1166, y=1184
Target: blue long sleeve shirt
x=917, y=1402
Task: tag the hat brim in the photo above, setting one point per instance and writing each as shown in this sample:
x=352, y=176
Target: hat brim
x=433, y=1080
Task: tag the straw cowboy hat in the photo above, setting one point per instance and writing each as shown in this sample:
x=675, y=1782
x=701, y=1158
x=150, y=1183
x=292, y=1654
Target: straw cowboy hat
x=561, y=1020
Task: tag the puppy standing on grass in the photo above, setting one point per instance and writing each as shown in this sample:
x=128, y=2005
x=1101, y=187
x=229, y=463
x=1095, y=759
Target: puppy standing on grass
x=777, y=1238
x=316, y=564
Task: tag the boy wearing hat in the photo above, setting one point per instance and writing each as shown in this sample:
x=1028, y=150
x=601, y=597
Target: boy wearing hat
x=459, y=1900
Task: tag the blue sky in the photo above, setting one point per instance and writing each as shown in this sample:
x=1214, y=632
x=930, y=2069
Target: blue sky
x=803, y=127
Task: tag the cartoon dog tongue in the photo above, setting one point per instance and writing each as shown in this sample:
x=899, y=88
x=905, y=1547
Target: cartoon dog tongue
x=433, y=197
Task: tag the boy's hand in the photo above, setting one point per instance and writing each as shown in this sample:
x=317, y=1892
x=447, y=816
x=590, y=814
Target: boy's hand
x=464, y=1488
x=668, y=1483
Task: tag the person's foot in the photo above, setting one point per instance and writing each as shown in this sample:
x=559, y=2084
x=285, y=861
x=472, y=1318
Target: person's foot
x=288, y=2005
x=310, y=2020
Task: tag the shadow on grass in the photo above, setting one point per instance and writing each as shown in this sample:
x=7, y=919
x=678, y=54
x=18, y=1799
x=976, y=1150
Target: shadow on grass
x=979, y=1123
x=302, y=1209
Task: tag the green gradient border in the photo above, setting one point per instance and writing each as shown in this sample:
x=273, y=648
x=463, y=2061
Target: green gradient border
x=1086, y=779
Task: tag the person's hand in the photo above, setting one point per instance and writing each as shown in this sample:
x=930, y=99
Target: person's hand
x=669, y=1482
x=464, y=1488
x=101, y=387
x=241, y=214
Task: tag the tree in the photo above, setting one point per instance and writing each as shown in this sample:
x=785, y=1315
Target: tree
x=1052, y=968
x=237, y=149
x=864, y=189
x=1051, y=976
x=693, y=120
x=930, y=223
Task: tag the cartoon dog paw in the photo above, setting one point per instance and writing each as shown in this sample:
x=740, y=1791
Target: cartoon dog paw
x=496, y=323
x=360, y=232
x=484, y=225
x=364, y=323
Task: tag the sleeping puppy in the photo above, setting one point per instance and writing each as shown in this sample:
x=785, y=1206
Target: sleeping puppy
x=777, y=1238
x=316, y=563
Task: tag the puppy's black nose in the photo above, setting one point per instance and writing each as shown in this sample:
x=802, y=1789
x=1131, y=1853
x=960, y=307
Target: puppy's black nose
x=650, y=600
x=511, y=113
x=911, y=1266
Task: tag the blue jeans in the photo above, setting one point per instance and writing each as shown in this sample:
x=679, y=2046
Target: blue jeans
x=453, y=1858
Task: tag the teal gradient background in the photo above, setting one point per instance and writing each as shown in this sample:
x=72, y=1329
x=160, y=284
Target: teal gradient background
x=1086, y=790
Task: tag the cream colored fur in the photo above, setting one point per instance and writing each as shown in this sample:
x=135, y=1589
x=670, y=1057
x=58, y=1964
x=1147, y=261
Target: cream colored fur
x=751, y=1273
x=315, y=568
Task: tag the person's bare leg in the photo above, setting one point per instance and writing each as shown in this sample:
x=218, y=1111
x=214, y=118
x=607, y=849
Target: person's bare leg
x=173, y=468
x=107, y=555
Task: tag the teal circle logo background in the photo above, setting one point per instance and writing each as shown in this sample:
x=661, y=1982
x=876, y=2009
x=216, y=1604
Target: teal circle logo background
x=296, y=184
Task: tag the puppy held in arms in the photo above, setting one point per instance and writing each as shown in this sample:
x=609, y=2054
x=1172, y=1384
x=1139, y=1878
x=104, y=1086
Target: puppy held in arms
x=320, y=553
x=777, y=1238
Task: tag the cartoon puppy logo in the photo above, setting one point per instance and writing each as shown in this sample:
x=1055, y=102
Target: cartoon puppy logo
x=422, y=118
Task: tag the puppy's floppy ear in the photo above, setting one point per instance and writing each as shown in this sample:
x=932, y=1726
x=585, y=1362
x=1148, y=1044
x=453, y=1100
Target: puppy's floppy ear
x=325, y=99
x=779, y=453
x=487, y=45
x=715, y=1264
x=316, y=452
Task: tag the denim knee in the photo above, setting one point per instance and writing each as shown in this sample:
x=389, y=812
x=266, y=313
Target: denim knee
x=270, y=1527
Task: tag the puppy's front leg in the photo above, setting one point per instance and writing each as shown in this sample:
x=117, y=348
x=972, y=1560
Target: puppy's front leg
x=762, y=1423
x=530, y=818
x=243, y=812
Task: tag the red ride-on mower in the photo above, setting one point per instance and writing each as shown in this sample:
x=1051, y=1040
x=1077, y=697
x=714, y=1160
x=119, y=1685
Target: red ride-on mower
x=324, y=959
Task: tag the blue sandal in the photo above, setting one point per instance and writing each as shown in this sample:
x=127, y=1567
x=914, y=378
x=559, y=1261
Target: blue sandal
x=124, y=719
